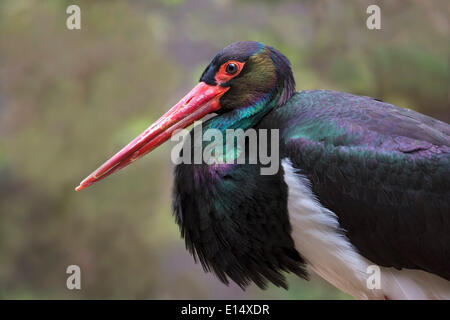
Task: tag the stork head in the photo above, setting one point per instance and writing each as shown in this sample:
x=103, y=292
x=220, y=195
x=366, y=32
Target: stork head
x=251, y=71
x=239, y=76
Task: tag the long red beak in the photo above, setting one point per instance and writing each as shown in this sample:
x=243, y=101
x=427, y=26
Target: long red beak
x=200, y=101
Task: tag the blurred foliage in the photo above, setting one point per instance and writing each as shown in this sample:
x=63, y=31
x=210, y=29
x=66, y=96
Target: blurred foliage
x=69, y=99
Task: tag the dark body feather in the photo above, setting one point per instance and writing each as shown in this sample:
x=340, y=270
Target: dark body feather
x=383, y=170
x=234, y=220
x=243, y=235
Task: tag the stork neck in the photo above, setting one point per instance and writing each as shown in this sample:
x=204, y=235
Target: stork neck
x=243, y=118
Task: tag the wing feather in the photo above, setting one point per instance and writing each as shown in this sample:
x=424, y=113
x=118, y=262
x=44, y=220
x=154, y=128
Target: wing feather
x=384, y=171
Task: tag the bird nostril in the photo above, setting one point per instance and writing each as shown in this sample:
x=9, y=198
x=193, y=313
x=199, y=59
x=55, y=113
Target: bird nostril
x=188, y=100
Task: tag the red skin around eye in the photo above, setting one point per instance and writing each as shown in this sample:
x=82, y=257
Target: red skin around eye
x=222, y=76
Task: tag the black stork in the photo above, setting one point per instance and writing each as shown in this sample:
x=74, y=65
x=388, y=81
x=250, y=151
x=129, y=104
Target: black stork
x=363, y=188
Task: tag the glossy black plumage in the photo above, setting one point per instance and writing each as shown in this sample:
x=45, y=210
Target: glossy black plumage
x=233, y=226
x=383, y=170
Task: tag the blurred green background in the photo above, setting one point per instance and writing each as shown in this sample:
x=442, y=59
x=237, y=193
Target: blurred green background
x=69, y=99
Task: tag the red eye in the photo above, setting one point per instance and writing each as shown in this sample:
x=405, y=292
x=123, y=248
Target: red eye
x=229, y=70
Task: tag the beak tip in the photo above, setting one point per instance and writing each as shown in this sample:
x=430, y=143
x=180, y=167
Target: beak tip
x=86, y=183
x=81, y=187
